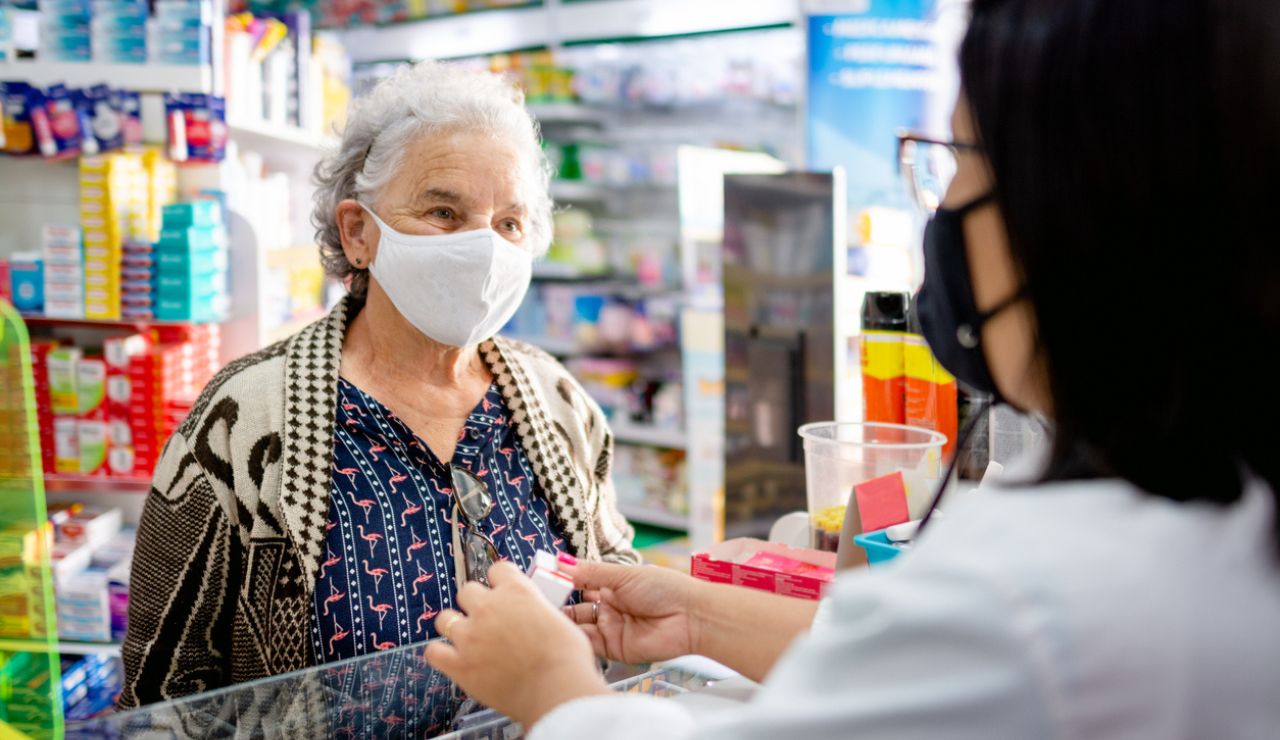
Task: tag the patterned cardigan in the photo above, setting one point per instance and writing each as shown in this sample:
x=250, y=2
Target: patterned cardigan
x=232, y=532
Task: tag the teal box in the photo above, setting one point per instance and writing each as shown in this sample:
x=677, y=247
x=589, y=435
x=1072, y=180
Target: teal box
x=191, y=213
x=194, y=238
x=200, y=309
x=26, y=284
x=177, y=286
x=878, y=547
x=189, y=263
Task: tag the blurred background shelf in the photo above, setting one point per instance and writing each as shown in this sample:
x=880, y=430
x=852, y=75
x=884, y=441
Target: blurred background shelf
x=561, y=23
x=64, y=647
x=62, y=483
x=640, y=514
x=639, y=434
x=152, y=78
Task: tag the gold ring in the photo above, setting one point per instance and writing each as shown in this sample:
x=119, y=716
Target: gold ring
x=595, y=612
x=448, y=625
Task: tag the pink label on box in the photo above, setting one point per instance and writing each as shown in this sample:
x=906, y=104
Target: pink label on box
x=711, y=570
x=803, y=588
x=753, y=578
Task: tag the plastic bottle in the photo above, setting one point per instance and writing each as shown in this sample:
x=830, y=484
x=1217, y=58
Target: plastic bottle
x=884, y=326
x=931, y=390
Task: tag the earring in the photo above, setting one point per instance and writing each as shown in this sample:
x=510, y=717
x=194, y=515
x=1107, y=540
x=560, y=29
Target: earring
x=359, y=261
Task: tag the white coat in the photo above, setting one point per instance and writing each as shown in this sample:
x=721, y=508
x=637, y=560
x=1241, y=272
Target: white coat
x=1074, y=610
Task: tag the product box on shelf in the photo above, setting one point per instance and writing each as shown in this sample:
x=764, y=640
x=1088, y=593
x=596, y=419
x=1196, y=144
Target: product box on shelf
x=767, y=566
x=60, y=364
x=26, y=281
x=93, y=527
x=91, y=384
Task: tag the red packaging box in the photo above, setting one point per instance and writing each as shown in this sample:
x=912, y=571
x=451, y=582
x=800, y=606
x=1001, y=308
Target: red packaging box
x=807, y=575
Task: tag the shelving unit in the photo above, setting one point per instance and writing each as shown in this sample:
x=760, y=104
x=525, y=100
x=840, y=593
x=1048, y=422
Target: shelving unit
x=65, y=648
x=558, y=23
x=148, y=78
x=654, y=517
x=61, y=483
x=649, y=436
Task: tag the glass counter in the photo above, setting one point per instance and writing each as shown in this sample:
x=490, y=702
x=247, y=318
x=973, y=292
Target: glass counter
x=393, y=693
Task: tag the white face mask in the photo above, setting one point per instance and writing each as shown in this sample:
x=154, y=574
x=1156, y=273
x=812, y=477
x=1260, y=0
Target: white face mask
x=459, y=289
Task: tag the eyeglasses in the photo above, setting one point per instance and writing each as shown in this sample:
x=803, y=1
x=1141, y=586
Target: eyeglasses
x=928, y=165
x=472, y=499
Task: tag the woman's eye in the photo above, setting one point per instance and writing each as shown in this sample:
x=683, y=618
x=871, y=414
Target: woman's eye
x=512, y=227
x=442, y=213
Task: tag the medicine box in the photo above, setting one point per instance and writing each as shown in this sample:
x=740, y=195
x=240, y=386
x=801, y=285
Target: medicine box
x=66, y=441
x=191, y=263
x=90, y=384
x=26, y=281
x=200, y=213
x=60, y=365
x=767, y=566
x=191, y=238
x=90, y=526
x=92, y=439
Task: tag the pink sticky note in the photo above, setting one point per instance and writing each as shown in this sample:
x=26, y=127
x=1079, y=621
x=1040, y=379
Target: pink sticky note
x=882, y=502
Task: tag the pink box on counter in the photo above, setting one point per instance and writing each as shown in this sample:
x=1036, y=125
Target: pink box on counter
x=768, y=566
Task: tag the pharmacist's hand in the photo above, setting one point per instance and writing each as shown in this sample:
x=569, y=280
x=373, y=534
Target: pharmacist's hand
x=644, y=612
x=512, y=651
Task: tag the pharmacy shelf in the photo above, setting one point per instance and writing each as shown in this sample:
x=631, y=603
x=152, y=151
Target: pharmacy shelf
x=555, y=24
x=99, y=324
x=151, y=78
x=639, y=514
x=649, y=436
x=65, y=647
x=565, y=113
x=554, y=346
x=272, y=139
x=95, y=484
x=577, y=191
x=553, y=272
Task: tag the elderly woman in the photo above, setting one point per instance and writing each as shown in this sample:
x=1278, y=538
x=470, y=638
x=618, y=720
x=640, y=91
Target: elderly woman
x=328, y=495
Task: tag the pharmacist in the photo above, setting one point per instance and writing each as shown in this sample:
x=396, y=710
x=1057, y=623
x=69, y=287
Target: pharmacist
x=1109, y=240
x=327, y=495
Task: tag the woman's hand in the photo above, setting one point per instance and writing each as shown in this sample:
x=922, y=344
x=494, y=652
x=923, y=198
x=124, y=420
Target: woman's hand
x=512, y=651
x=644, y=612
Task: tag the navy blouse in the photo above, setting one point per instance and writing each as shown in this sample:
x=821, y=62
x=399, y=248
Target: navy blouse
x=389, y=561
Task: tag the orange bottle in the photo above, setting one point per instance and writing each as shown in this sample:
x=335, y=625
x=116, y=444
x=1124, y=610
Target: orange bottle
x=931, y=400
x=884, y=325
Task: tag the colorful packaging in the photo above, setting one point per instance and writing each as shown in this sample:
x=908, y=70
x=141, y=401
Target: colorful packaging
x=767, y=566
x=884, y=323
x=18, y=99
x=197, y=127
x=61, y=367
x=92, y=441
x=57, y=124
x=26, y=281
x=91, y=384
x=105, y=120
x=66, y=435
x=128, y=105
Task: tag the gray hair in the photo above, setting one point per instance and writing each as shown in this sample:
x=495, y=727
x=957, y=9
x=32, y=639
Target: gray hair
x=423, y=99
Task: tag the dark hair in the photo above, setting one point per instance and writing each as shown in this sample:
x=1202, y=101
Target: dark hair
x=1135, y=145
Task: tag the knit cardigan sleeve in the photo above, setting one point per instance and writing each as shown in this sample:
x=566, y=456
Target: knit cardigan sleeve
x=181, y=591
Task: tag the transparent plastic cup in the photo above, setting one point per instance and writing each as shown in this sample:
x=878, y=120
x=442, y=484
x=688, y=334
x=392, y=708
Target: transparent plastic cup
x=839, y=456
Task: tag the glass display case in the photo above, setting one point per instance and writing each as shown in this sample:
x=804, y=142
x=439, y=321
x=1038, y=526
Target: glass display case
x=389, y=694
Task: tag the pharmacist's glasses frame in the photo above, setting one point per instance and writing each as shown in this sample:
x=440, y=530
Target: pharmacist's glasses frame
x=927, y=165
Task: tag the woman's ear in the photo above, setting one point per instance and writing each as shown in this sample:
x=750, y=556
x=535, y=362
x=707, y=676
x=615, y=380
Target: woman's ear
x=358, y=233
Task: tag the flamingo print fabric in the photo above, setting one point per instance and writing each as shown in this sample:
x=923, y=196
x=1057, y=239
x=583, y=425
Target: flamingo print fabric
x=388, y=567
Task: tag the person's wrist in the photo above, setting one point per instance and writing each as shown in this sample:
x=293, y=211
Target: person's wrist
x=696, y=612
x=556, y=690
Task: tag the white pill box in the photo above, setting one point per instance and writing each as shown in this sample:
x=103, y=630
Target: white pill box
x=552, y=584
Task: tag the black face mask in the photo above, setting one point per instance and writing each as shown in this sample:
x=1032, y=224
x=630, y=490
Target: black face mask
x=951, y=323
